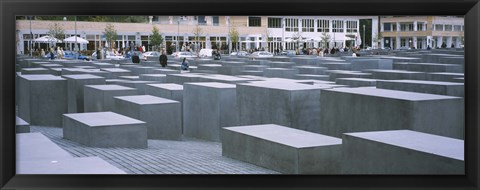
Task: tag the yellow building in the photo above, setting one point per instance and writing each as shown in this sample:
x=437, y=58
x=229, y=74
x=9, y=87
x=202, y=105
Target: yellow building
x=421, y=32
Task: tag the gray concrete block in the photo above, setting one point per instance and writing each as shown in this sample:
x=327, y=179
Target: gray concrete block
x=287, y=150
x=56, y=71
x=253, y=73
x=165, y=71
x=21, y=126
x=225, y=79
x=42, y=99
x=434, y=67
x=278, y=64
x=142, y=70
x=348, y=74
x=75, y=90
x=402, y=152
x=116, y=72
x=105, y=129
x=154, y=77
x=396, y=74
x=371, y=109
x=312, y=70
x=183, y=78
x=129, y=78
x=138, y=84
x=452, y=60
x=313, y=77
x=280, y=72
x=207, y=107
x=283, y=103
x=86, y=165
x=430, y=87
x=335, y=65
x=98, y=98
x=36, y=146
x=356, y=82
x=162, y=116
x=306, y=61
x=362, y=64
x=254, y=67
x=50, y=65
x=35, y=71
x=114, y=81
x=103, y=65
x=444, y=76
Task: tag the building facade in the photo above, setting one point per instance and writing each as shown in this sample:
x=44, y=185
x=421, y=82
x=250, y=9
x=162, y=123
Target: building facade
x=254, y=32
x=421, y=32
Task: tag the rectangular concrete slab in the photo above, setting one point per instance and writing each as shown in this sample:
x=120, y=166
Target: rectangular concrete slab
x=85, y=165
x=402, y=152
x=287, y=150
x=370, y=109
x=280, y=102
x=98, y=98
x=207, y=107
x=21, y=126
x=162, y=116
x=105, y=129
x=42, y=99
x=75, y=87
x=430, y=87
x=36, y=146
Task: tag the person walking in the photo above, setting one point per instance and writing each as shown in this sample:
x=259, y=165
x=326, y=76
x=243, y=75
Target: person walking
x=184, y=64
x=163, y=59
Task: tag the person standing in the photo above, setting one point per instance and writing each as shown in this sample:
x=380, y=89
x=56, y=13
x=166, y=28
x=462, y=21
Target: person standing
x=163, y=59
x=42, y=53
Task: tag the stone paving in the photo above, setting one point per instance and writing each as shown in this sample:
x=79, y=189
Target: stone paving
x=190, y=156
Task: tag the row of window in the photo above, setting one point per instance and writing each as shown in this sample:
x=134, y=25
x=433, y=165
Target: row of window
x=389, y=27
x=308, y=25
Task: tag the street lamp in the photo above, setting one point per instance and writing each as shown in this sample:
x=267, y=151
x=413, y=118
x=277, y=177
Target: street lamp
x=410, y=43
x=364, y=41
x=31, y=36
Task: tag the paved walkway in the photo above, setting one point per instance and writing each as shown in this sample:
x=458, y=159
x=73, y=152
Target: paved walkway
x=161, y=157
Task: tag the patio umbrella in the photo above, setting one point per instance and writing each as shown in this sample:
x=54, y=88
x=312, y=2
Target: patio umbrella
x=47, y=39
x=72, y=40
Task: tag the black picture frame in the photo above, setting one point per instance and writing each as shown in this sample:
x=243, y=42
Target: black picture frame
x=9, y=9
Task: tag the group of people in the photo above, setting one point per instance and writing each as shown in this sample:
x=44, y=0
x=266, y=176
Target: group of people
x=163, y=59
x=58, y=51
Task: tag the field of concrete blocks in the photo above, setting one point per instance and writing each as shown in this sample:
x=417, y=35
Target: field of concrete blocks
x=401, y=113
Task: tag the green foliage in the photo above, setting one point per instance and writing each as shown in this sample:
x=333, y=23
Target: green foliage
x=110, y=34
x=325, y=38
x=56, y=30
x=156, y=39
x=234, y=36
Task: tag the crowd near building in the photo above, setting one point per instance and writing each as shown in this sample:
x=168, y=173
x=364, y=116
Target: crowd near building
x=270, y=33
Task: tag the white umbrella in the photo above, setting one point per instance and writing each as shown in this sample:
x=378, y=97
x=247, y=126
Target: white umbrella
x=79, y=40
x=47, y=39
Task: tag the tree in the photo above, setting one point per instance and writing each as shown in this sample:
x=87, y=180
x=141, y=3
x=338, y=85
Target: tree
x=110, y=34
x=267, y=38
x=325, y=38
x=56, y=30
x=197, y=32
x=156, y=39
x=378, y=39
x=234, y=37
